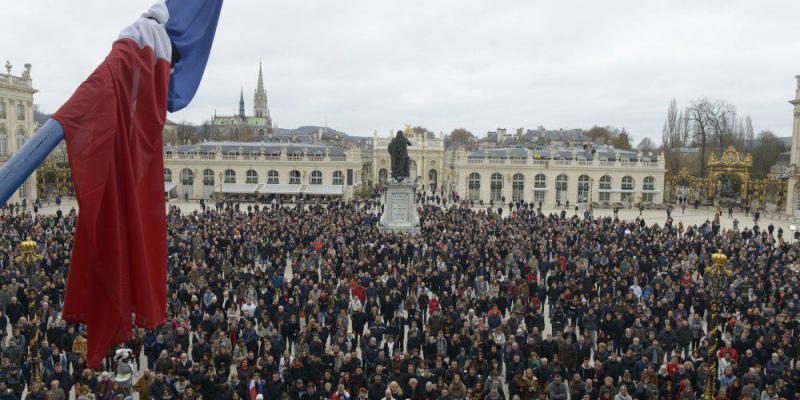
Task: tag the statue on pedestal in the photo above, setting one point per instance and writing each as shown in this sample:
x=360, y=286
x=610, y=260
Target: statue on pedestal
x=398, y=151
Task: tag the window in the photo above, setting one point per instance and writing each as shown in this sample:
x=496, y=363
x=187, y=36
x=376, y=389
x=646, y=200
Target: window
x=167, y=175
x=540, y=188
x=3, y=142
x=584, y=186
x=517, y=187
x=272, y=177
x=627, y=188
x=20, y=112
x=2, y=109
x=20, y=138
x=294, y=177
x=25, y=189
x=316, y=178
x=561, y=189
x=187, y=177
x=338, y=178
x=230, y=176
x=432, y=180
x=252, y=176
x=474, y=184
x=605, y=188
x=208, y=177
x=496, y=187
x=648, y=188
x=382, y=175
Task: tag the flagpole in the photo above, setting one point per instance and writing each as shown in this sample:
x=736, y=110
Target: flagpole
x=16, y=170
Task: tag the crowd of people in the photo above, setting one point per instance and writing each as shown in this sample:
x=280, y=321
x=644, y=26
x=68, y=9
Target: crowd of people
x=316, y=302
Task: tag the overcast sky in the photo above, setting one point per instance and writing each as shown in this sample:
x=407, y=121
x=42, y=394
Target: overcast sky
x=374, y=65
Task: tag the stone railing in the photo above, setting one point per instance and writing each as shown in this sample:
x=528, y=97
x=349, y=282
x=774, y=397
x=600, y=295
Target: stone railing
x=257, y=157
x=573, y=163
x=15, y=81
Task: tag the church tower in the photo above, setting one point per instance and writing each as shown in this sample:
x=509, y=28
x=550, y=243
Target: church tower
x=260, y=109
x=241, y=103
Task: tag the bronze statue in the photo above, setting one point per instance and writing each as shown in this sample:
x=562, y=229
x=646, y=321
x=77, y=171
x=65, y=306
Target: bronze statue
x=398, y=151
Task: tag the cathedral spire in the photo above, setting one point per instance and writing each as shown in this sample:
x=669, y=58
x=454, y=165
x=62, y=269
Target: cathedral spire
x=260, y=87
x=260, y=109
x=241, y=103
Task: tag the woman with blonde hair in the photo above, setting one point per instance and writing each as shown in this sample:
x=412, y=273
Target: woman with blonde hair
x=397, y=391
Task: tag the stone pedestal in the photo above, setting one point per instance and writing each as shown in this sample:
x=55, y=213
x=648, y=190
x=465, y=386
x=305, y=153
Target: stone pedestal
x=399, y=207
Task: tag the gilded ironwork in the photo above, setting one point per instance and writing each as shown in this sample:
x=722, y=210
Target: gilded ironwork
x=54, y=177
x=760, y=190
x=694, y=184
x=729, y=162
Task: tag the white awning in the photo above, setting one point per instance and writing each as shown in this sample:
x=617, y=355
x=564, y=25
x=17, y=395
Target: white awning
x=324, y=190
x=243, y=188
x=279, y=189
x=604, y=190
x=623, y=190
x=650, y=191
x=540, y=189
x=169, y=186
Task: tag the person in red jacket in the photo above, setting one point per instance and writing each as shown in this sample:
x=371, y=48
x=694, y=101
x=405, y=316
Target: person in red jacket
x=433, y=304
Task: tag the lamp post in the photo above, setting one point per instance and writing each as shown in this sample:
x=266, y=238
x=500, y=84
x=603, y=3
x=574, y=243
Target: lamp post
x=29, y=259
x=716, y=277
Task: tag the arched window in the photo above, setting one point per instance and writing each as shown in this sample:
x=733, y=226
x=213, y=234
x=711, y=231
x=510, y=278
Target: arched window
x=230, y=176
x=432, y=180
x=382, y=175
x=474, y=184
x=208, y=177
x=584, y=186
x=167, y=175
x=338, y=178
x=605, y=188
x=496, y=187
x=21, y=112
x=539, y=188
x=294, y=177
x=648, y=189
x=273, y=177
x=561, y=189
x=517, y=187
x=627, y=188
x=187, y=177
x=316, y=177
x=20, y=138
x=252, y=176
x=2, y=109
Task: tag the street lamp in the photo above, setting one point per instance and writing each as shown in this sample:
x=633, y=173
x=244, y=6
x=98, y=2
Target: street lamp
x=29, y=259
x=716, y=278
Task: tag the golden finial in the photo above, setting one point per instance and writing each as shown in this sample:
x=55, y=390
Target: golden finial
x=408, y=130
x=28, y=253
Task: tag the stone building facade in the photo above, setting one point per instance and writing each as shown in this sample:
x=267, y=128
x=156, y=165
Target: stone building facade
x=17, y=123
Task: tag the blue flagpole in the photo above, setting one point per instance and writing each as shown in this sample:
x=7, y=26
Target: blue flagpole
x=16, y=170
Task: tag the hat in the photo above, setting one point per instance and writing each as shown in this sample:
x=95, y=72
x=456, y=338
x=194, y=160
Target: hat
x=260, y=397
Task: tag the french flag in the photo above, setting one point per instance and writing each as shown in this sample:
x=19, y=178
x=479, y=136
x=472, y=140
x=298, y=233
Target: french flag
x=112, y=126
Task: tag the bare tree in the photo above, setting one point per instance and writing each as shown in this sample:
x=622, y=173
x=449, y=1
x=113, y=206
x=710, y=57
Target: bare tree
x=646, y=144
x=709, y=122
x=748, y=133
x=460, y=137
x=765, y=152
